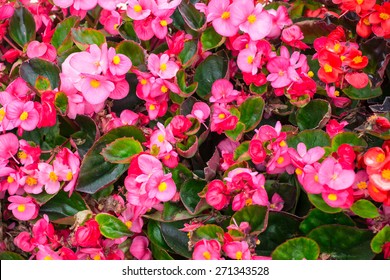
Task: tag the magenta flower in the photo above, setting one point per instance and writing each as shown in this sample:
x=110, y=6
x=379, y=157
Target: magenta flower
x=9, y=146
x=219, y=12
x=222, y=119
x=23, y=208
x=139, y=248
x=42, y=50
x=237, y=250
x=332, y=174
x=162, y=67
x=23, y=115
x=207, y=250
x=222, y=91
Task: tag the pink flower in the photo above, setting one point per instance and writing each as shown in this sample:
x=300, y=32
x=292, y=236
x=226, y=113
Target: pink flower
x=88, y=235
x=257, y=151
x=338, y=198
x=207, y=250
x=23, y=208
x=118, y=64
x=110, y=4
x=84, y=5
x=162, y=67
x=9, y=145
x=280, y=19
x=216, y=194
x=310, y=178
x=277, y=203
x=237, y=250
x=222, y=119
x=24, y=242
x=333, y=127
x=139, y=248
x=6, y=11
x=219, y=12
x=251, y=19
x=161, y=186
x=200, y=111
x=292, y=36
x=45, y=253
x=23, y=115
x=111, y=22
x=143, y=28
x=332, y=174
x=248, y=61
x=139, y=9
x=51, y=175
x=222, y=91
x=160, y=24
x=42, y=50
x=96, y=89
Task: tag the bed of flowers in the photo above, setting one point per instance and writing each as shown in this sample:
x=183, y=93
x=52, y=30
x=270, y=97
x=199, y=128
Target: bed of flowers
x=177, y=129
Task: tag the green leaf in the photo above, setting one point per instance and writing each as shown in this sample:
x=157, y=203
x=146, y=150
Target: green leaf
x=258, y=90
x=185, y=90
x=311, y=138
x=159, y=254
x=122, y=150
x=95, y=172
x=208, y=232
x=192, y=17
x=281, y=227
x=255, y=215
x=133, y=51
x=210, y=39
x=314, y=115
x=287, y=191
x=300, y=248
x=42, y=83
x=155, y=235
x=61, y=102
x=317, y=201
x=177, y=240
x=126, y=30
x=111, y=227
x=251, y=111
x=318, y=218
x=241, y=152
x=36, y=68
x=62, y=39
x=188, y=148
x=62, y=206
x=236, y=133
x=347, y=138
x=365, y=209
x=380, y=239
x=363, y=93
x=86, y=137
x=22, y=26
x=189, y=53
x=343, y=242
x=10, y=256
x=189, y=195
x=84, y=37
x=208, y=71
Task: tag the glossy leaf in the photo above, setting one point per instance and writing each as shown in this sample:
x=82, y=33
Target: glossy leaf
x=10, y=256
x=189, y=53
x=62, y=39
x=347, y=138
x=311, y=138
x=208, y=232
x=241, y=152
x=314, y=115
x=86, y=137
x=122, y=150
x=36, y=68
x=61, y=102
x=189, y=195
x=365, y=209
x=251, y=112
x=255, y=215
x=111, y=227
x=236, y=133
x=95, y=172
x=208, y=71
x=363, y=93
x=155, y=235
x=159, y=254
x=133, y=51
x=189, y=148
x=380, y=239
x=300, y=248
x=192, y=17
x=177, y=240
x=318, y=218
x=126, y=30
x=210, y=39
x=343, y=242
x=83, y=37
x=172, y=212
x=317, y=201
x=22, y=26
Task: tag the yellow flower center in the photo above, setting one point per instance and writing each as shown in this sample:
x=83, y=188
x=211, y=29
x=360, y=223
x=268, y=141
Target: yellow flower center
x=248, y=202
x=31, y=181
x=337, y=47
x=334, y=177
x=359, y=2
x=144, y=82
x=48, y=258
x=163, y=67
x=129, y=224
x=162, y=187
x=250, y=59
x=116, y=60
x=163, y=22
x=310, y=74
x=10, y=180
x=386, y=174
x=332, y=197
x=69, y=176
x=2, y=114
x=283, y=144
x=316, y=178
x=22, y=208
x=366, y=22
x=384, y=16
x=280, y=160
x=225, y=15
x=152, y=107
x=137, y=8
x=164, y=89
x=336, y=93
x=362, y=185
x=343, y=57
x=281, y=73
x=94, y=83
x=53, y=177
x=358, y=59
x=97, y=258
x=116, y=26
x=160, y=138
x=221, y=116
x=328, y=68
x=380, y=158
x=22, y=155
x=298, y=171
x=207, y=255
x=239, y=255
x=251, y=19
x=23, y=116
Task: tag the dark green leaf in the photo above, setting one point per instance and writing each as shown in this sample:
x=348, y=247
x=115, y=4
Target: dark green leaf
x=380, y=239
x=22, y=26
x=34, y=68
x=133, y=51
x=95, y=172
x=241, y=152
x=255, y=215
x=317, y=201
x=318, y=218
x=189, y=148
x=189, y=194
x=251, y=111
x=314, y=115
x=62, y=39
x=363, y=93
x=189, y=54
x=365, y=209
x=208, y=232
x=300, y=248
x=126, y=30
x=111, y=227
x=236, y=134
x=210, y=39
x=347, y=138
x=155, y=235
x=343, y=242
x=83, y=37
x=192, y=17
x=176, y=239
x=311, y=138
x=86, y=137
x=61, y=102
x=122, y=150
x=10, y=256
x=159, y=254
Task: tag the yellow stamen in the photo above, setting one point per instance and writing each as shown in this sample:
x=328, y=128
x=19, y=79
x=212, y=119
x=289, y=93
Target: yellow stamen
x=23, y=116
x=248, y=202
x=332, y=197
x=48, y=258
x=280, y=160
x=334, y=177
x=386, y=174
x=53, y=177
x=69, y=176
x=250, y=59
x=10, y=180
x=310, y=74
x=251, y=19
x=239, y=255
x=163, y=67
x=129, y=224
x=225, y=15
x=298, y=171
x=162, y=187
x=152, y=107
x=94, y=83
x=359, y=2
x=221, y=116
x=281, y=73
x=362, y=185
x=2, y=114
x=328, y=68
x=116, y=60
x=343, y=57
x=31, y=181
x=380, y=158
x=358, y=59
x=97, y=258
x=207, y=255
x=160, y=138
x=366, y=22
x=116, y=26
x=316, y=178
x=22, y=208
x=337, y=47
x=163, y=22
x=384, y=16
x=283, y=144
x=137, y=8
x=144, y=82
x=164, y=89
x=22, y=155
x=336, y=93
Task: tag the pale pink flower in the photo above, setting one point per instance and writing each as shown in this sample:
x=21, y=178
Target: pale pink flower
x=93, y=61
x=112, y=22
x=46, y=253
x=280, y=19
x=162, y=66
x=41, y=50
x=23, y=208
x=311, y=179
x=23, y=115
x=139, y=248
x=118, y=64
x=160, y=24
x=207, y=250
x=277, y=203
x=219, y=12
x=161, y=186
x=95, y=88
x=222, y=91
x=237, y=250
x=139, y=9
x=332, y=174
x=166, y=4
x=51, y=175
x=110, y=4
x=201, y=111
x=248, y=61
x=84, y=5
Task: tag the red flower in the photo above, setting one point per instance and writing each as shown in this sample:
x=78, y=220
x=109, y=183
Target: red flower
x=355, y=60
x=363, y=27
x=330, y=66
x=88, y=235
x=380, y=19
x=359, y=6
